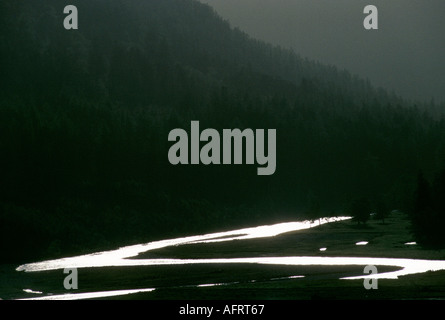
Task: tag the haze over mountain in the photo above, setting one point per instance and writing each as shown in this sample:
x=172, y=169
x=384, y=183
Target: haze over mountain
x=406, y=54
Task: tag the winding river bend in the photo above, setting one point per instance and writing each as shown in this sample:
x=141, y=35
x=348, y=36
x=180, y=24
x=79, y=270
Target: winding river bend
x=127, y=256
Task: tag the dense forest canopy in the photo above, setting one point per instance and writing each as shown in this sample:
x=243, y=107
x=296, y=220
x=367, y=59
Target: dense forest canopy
x=85, y=116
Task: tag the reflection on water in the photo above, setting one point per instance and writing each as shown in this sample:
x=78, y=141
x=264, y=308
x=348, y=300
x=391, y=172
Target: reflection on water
x=32, y=291
x=122, y=257
x=215, y=284
x=210, y=285
x=361, y=243
x=89, y=295
x=286, y=278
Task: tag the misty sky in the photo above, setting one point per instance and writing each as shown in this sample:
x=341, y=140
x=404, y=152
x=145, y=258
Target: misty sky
x=406, y=54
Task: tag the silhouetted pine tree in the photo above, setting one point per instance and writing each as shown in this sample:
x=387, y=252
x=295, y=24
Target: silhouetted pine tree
x=360, y=210
x=428, y=216
x=382, y=210
x=422, y=209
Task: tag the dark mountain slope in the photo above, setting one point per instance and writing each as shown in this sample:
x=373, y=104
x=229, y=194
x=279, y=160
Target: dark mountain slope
x=85, y=116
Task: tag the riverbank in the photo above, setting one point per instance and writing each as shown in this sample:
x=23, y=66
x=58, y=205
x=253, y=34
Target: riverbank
x=229, y=281
x=390, y=239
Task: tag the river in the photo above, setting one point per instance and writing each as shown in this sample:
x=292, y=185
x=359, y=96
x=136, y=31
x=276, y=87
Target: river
x=128, y=257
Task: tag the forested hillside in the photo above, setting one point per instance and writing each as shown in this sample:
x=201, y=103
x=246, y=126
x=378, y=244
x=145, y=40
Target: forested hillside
x=85, y=115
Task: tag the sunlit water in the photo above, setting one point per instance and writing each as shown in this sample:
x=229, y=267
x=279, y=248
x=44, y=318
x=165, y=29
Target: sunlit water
x=32, y=291
x=90, y=295
x=122, y=257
